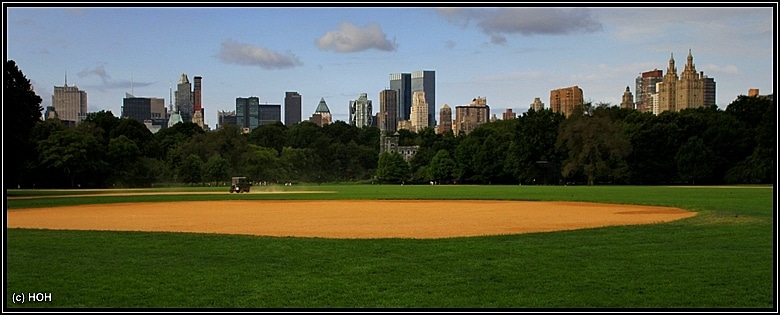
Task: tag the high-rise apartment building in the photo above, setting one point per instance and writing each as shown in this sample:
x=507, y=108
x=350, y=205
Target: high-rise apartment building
x=445, y=119
x=419, y=115
x=627, y=100
x=292, y=108
x=387, y=118
x=248, y=113
x=184, y=98
x=645, y=88
x=469, y=117
x=425, y=81
x=508, y=114
x=565, y=100
x=683, y=92
x=361, y=111
x=709, y=91
x=402, y=84
x=70, y=103
x=537, y=105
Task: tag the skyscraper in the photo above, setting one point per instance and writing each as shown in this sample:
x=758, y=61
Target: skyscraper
x=388, y=105
x=360, y=111
x=445, y=119
x=402, y=84
x=419, y=115
x=197, y=107
x=269, y=114
x=70, y=103
x=645, y=88
x=184, y=102
x=248, y=113
x=292, y=108
x=425, y=81
x=687, y=91
x=321, y=115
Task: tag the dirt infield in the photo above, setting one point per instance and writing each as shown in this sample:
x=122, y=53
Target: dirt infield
x=344, y=219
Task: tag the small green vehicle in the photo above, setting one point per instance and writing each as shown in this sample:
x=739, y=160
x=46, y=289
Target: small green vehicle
x=239, y=185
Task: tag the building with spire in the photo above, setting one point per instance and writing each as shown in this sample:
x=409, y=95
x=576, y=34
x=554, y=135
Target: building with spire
x=174, y=117
x=69, y=103
x=628, y=99
x=321, y=115
x=184, y=98
x=683, y=92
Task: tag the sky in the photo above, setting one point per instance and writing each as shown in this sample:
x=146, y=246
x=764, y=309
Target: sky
x=508, y=55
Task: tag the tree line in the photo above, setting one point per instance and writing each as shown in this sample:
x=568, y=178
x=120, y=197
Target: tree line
x=599, y=144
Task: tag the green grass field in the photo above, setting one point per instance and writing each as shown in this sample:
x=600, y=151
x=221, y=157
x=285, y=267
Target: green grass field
x=722, y=258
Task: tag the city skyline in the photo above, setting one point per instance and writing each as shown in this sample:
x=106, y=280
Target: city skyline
x=510, y=56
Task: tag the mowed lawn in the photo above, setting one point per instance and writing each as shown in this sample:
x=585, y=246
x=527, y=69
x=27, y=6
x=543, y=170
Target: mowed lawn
x=722, y=258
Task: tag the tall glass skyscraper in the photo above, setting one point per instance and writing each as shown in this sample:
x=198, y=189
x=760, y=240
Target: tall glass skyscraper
x=425, y=81
x=402, y=84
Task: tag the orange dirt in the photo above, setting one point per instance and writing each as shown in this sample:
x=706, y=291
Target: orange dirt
x=344, y=219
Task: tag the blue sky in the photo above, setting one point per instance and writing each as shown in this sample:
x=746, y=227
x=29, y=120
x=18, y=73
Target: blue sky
x=509, y=55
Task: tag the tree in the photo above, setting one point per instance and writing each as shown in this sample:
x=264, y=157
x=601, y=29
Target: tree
x=22, y=110
x=595, y=145
x=694, y=160
x=216, y=169
x=74, y=155
x=442, y=167
x=123, y=154
x=190, y=170
x=392, y=168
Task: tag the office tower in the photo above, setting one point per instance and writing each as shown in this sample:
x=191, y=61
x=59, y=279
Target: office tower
x=360, y=111
x=184, y=102
x=70, y=103
x=248, y=113
x=683, y=92
x=508, y=114
x=445, y=119
x=469, y=117
x=628, y=100
x=425, y=81
x=292, y=108
x=419, y=115
x=537, y=105
x=645, y=88
x=402, y=84
x=565, y=100
x=269, y=114
x=138, y=108
x=388, y=116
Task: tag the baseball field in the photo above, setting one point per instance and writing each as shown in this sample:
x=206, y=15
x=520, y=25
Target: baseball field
x=387, y=246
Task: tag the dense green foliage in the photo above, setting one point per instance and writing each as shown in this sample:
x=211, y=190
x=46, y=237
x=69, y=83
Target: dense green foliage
x=605, y=144
x=723, y=258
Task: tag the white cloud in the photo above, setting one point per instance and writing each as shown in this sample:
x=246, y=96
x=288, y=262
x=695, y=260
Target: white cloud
x=233, y=52
x=351, y=38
